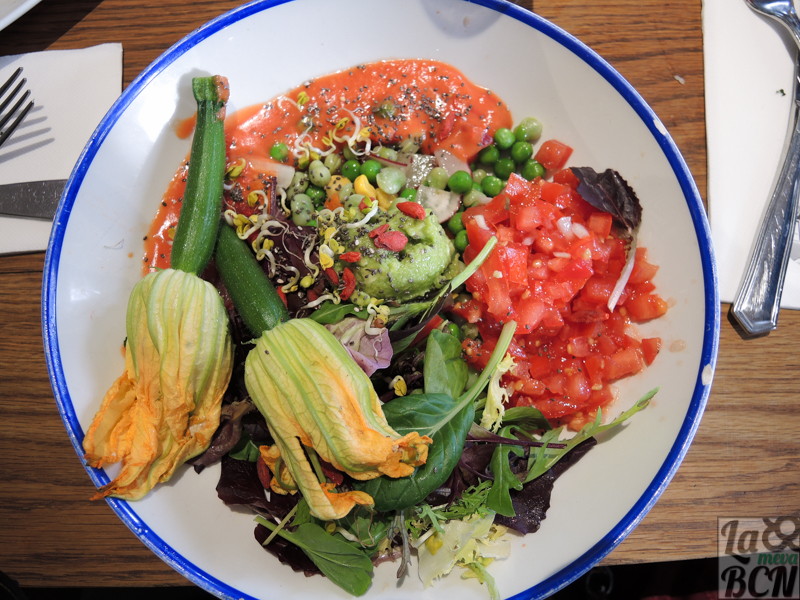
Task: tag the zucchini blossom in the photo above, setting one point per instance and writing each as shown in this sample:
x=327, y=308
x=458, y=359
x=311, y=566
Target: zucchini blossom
x=165, y=407
x=313, y=394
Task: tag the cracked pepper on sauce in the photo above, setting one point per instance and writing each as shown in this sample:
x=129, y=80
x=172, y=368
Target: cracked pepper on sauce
x=432, y=102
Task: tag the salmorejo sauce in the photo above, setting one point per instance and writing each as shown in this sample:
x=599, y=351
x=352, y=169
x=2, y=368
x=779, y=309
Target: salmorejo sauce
x=430, y=101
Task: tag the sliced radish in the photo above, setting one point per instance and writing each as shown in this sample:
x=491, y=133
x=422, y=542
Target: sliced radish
x=421, y=165
x=450, y=163
x=442, y=203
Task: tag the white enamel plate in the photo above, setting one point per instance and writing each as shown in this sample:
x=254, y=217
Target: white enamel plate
x=267, y=47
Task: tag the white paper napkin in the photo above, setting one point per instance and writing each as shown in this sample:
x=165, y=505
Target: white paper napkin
x=72, y=90
x=749, y=68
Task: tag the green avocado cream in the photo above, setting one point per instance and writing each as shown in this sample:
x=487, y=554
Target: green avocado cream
x=427, y=262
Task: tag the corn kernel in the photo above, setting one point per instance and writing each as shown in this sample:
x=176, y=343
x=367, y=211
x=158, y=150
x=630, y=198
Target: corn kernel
x=362, y=186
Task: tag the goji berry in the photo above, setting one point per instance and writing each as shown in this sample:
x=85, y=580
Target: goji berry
x=332, y=275
x=349, y=283
x=391, y=240
x=412, y=209
x=350, y=257
x=378, y=230
x=264, y=474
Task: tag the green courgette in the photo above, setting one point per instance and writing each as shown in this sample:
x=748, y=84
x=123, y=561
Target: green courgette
x=253, y=295
x=197, y=229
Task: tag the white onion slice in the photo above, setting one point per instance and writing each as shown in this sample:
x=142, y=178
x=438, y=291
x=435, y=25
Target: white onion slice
x=623, y=278
x=480, y=221
x=442, y=203
x=283, y=173
x=564, y=225
x=450, y=162
x=579, y=230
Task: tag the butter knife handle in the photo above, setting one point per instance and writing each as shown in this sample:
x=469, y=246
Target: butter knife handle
x=759, y=297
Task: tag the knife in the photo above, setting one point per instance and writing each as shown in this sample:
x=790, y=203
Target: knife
x=32, y=199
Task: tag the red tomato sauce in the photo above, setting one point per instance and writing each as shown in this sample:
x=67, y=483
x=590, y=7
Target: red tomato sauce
x=555, y=282
x=432, y=102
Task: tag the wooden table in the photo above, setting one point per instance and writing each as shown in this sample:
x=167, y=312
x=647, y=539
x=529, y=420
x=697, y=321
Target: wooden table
x=744, y=458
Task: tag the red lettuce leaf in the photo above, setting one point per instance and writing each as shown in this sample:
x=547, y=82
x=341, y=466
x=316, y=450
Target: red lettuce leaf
x=532, y=502
x=609, y=192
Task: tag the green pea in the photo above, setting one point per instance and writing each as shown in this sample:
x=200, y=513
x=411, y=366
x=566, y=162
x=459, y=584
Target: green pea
x=489, y=155
x=504, y=167
x=473, y=197
x=370, y=168
x=460, y=182
x=302, y=207
x=333, y=162
x=409, y=194
x=528, y=130
x=455, y=224
x=391, y=179
x=298, y=185
x=437, y=178
x=478, y=175
x=492, y=185
x=470, y=330
x=521, y=151
x=387, y=153
x=461, y=242
x=317, y=194
x=279, y=152
x=319, y=174
x=348, y=154
x=531, y=170
x=351, y=169
x=345, y=192
x=504, y=138
x=454, y=330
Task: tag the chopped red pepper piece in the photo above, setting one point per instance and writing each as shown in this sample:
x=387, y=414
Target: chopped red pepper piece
x=349, y=283
x=391, y=240
x=378, y=230
x=412, y=209
x=350, y=257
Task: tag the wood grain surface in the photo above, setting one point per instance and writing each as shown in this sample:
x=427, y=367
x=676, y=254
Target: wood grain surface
x=743, y=461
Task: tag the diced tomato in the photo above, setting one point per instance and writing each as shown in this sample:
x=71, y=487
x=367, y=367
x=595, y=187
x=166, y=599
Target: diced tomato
x=650, y=349
x=642, y=270
x=600, y=223
x=567, y=177
x=425, y=331
x=530, y=312
x=553, y=154
x=646, y=307
x=551, y=192
x=556, y=283
x=471, y=310
x=625, y=362
x=521, y=192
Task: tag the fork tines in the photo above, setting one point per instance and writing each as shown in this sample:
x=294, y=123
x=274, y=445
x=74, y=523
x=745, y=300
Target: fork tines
x=15, y=112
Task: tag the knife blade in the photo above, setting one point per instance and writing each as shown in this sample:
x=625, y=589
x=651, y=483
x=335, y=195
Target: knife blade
x=32, y=199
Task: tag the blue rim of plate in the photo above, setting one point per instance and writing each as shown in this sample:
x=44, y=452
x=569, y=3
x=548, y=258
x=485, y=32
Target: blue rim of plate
x=710, y=338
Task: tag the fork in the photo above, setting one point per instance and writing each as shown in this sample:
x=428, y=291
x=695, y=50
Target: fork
x=15, y=110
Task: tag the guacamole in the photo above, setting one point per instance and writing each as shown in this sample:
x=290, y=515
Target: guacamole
x=427, y=261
